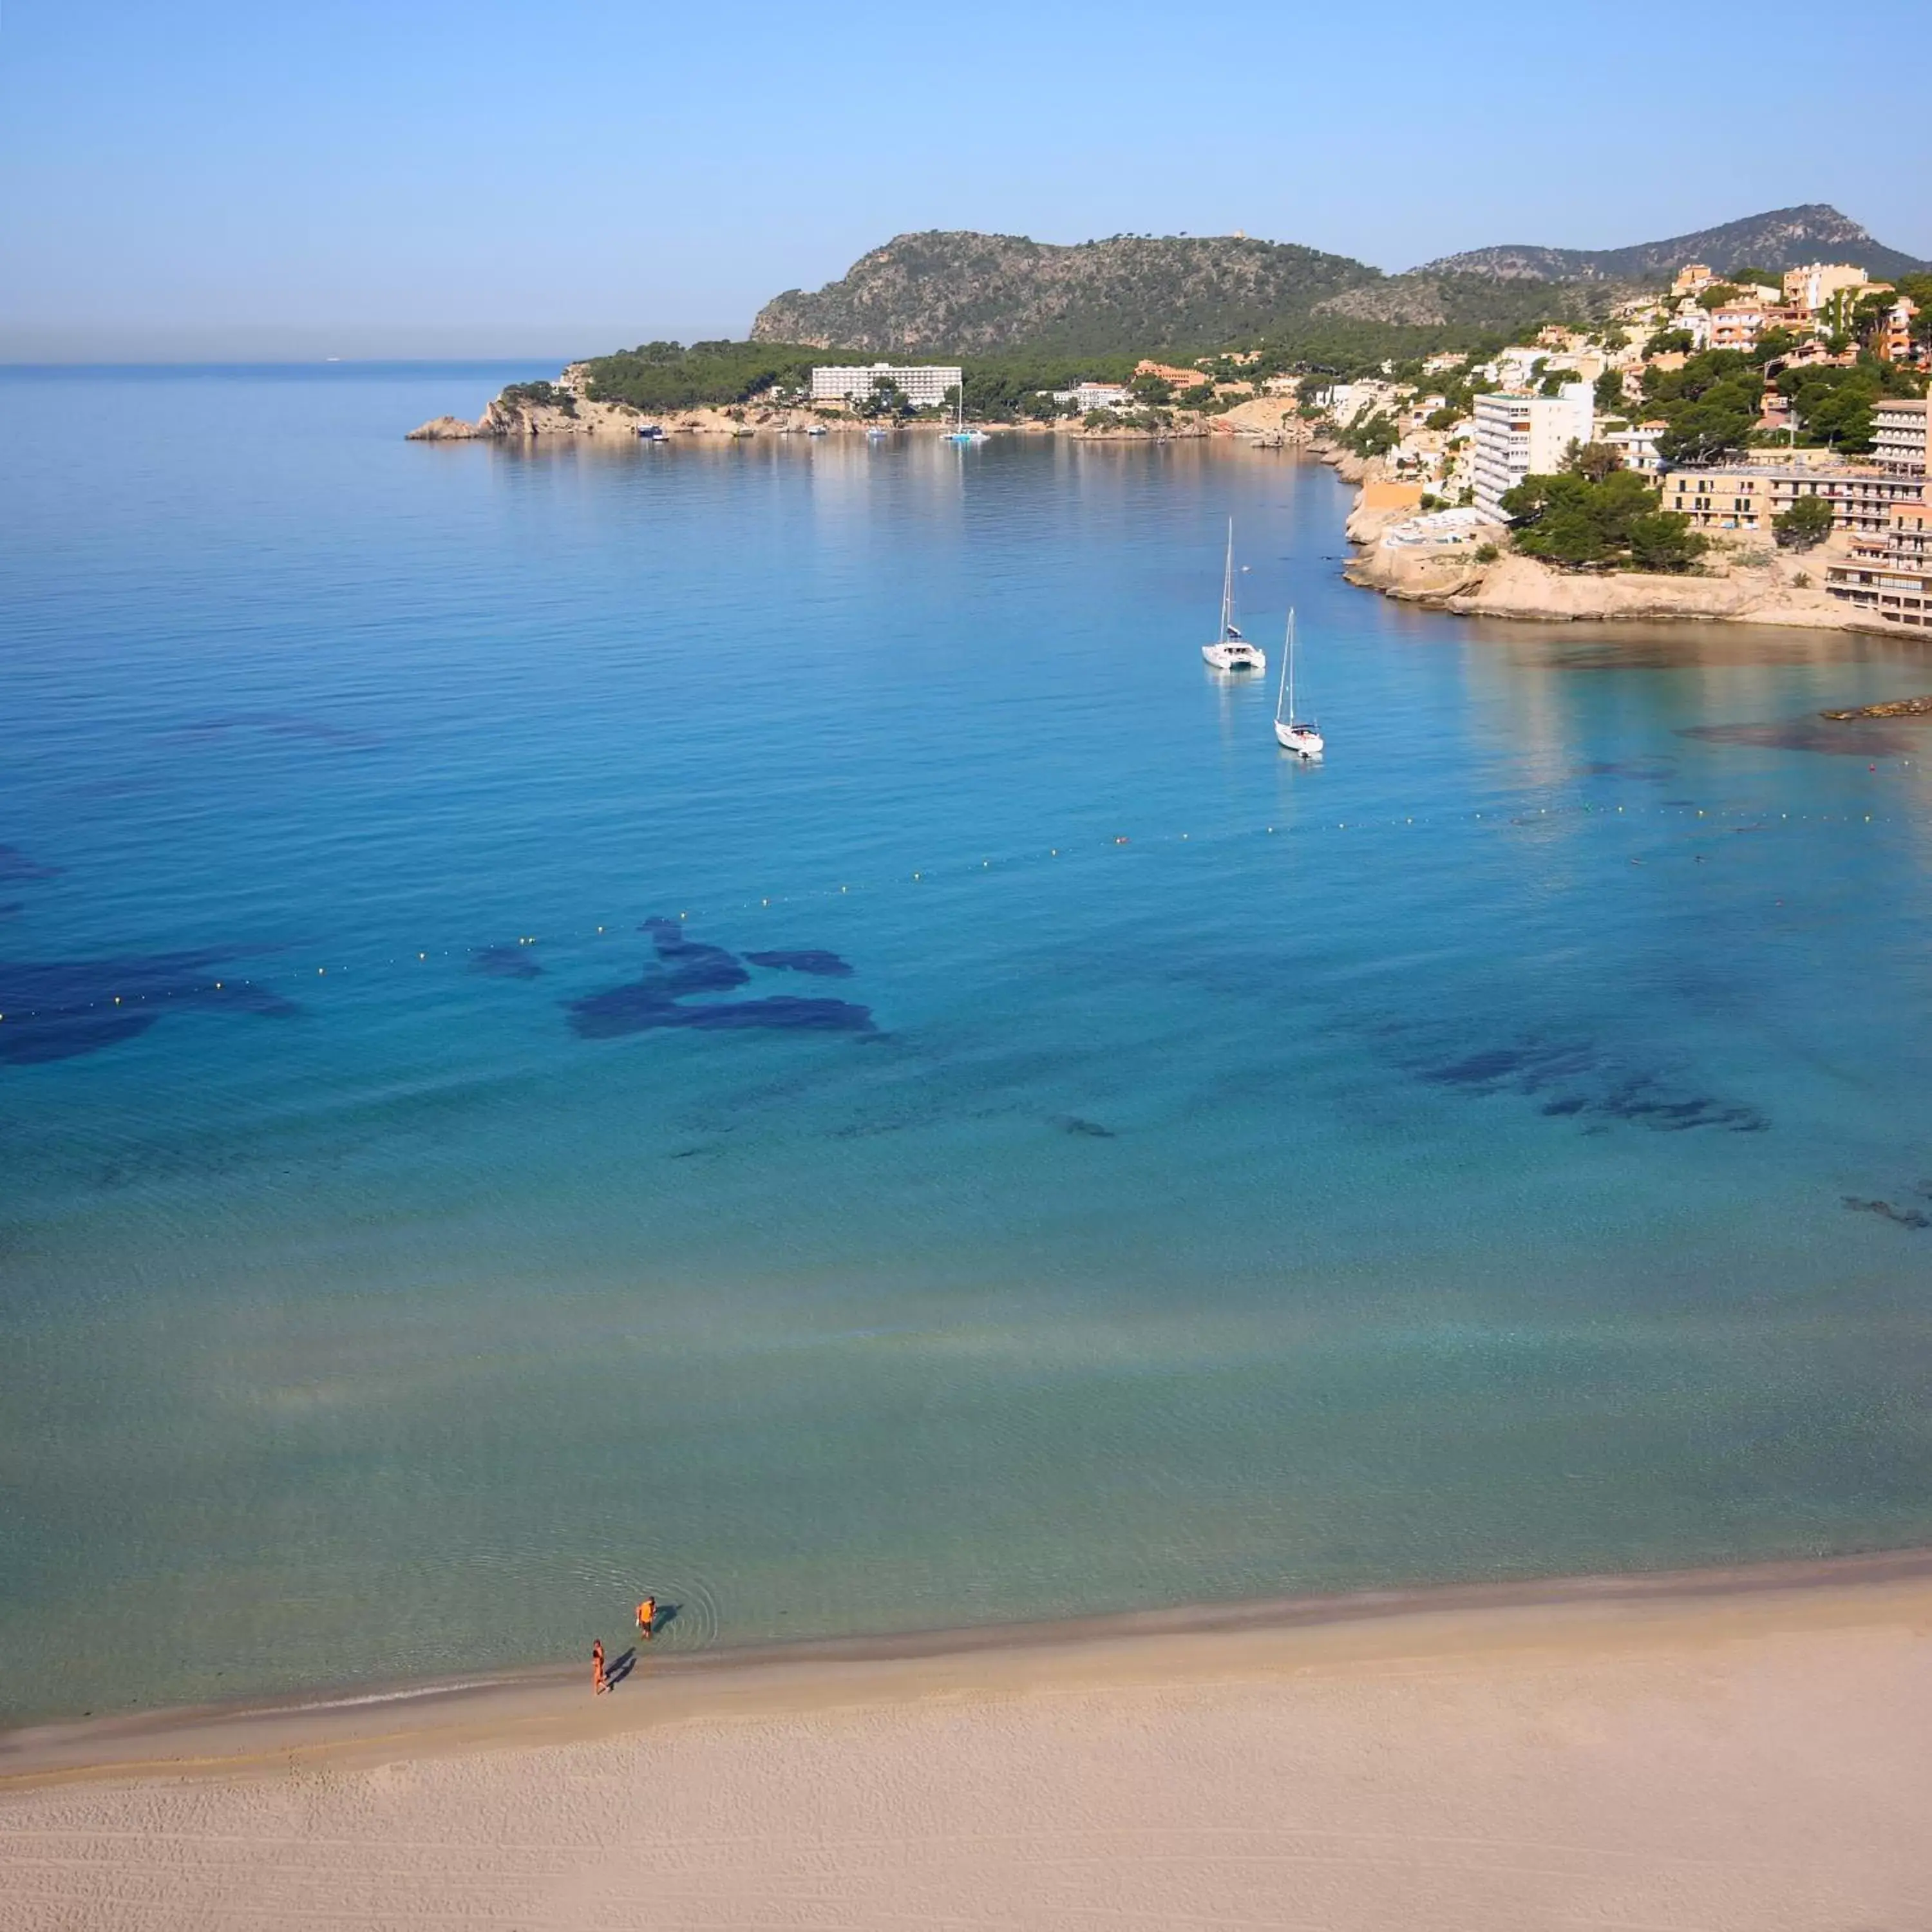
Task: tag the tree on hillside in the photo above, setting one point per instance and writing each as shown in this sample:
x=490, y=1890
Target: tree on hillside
x=1609, y=393
x=1708, y=431
x=1835, y=404
x=1717, y=294
x=1375, y=434
x=1593, y=461
x=1573, y=521
x=1710, y=405
x=1773, y=346
x=1660, y=540
x=1806, y=524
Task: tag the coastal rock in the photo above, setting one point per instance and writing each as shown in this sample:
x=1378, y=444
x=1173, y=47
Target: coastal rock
x=1272, y=420
x=1740, y=584
x=448, y=429
x=1520, y=586
x=1900, y=707
x=1350, y=467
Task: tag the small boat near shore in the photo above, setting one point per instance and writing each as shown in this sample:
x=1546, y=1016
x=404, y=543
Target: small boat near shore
x=1290, y=734
x=1230, y=650
x=959, y=432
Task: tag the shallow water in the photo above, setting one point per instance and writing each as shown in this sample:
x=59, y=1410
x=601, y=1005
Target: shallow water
x=1051, y=1154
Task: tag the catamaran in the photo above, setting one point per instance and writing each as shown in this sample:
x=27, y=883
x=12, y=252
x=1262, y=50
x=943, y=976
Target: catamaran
x=1231, y=651
x=959, y=432
x=1304, y=740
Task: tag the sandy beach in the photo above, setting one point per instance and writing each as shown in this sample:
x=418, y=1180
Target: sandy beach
x=1740, y=1749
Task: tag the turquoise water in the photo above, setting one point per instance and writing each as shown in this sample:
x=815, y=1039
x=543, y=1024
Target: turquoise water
x=1432, y=1165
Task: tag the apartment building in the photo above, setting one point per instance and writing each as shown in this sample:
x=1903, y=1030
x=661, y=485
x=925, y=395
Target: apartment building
x=1890, y=575
x=924, y=384
x=1894, y=343
x=1181, y=379
x=1813, y=286
x=1518, y=436
x=1748, y=496
x=1737, y=325
x=1898, y=434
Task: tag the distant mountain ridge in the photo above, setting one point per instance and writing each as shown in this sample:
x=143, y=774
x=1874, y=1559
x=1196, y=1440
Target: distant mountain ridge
x=959, y=293
x=1785, y=238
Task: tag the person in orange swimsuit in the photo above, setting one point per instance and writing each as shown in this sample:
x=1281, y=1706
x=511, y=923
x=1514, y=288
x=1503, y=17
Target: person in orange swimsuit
x=647, y=1617
x=599, y=1683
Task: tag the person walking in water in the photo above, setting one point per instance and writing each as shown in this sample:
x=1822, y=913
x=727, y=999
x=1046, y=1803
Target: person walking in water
x=599, y=1683
x=647, y=1617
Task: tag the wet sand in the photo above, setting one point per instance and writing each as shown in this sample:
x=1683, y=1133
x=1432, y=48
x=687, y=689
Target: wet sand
x=1743, y=1748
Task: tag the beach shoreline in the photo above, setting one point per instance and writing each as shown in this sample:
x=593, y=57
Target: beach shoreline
x=360, y=1724
x=1724, y=1750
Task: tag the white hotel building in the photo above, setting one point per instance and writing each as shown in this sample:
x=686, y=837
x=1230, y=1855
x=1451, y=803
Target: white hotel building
x=924, y=384
x=1519, y=435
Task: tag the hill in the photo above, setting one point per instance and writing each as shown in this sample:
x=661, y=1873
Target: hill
x=1463, y=302
x=1785, y=237
x=968, y=293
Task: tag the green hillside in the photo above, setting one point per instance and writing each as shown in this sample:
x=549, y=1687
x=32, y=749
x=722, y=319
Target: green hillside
x=967, y=293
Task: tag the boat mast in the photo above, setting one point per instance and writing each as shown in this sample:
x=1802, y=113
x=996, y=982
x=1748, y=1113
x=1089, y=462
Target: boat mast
x=1283, y=690
x=1291, y=665
x=1227, y=586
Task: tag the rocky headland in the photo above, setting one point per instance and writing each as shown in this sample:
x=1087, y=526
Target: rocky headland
x=565, y=408
x=1473, y=574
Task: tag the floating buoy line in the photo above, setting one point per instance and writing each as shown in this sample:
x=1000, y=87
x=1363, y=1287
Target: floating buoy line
x=1503, y=818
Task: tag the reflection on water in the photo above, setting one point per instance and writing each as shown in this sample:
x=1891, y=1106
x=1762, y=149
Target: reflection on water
x=1502, y=1148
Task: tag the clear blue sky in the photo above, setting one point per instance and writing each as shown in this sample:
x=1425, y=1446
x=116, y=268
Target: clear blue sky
x=186, y=178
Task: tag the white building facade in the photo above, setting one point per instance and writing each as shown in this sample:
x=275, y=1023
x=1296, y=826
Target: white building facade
x=924, y=384
x=1637, y=446
x=1899, y=434
x=1518, y=436
x=1096, y=396
x=1349, y=401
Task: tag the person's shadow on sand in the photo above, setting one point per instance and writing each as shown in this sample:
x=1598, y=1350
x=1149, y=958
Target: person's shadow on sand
x=622, y=1667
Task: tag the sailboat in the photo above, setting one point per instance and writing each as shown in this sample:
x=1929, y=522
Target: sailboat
x=1231, y=651
x=1290, y=734
x=959, y=432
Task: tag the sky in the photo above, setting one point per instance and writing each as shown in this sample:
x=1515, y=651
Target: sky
x=203, y=180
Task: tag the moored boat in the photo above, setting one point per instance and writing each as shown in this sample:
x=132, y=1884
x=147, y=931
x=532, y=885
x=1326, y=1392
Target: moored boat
x=1290, y=732
x=1231, y=651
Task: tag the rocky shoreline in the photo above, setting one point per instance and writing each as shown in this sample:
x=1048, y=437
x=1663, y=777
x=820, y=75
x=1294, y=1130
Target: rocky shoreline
x=1740, y=582
x=1265, y=420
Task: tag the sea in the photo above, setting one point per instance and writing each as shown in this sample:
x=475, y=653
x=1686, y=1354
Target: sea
x=748, y=1021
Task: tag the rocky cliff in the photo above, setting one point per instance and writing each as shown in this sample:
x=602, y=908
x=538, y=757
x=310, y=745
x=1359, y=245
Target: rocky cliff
x=1740, y=584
